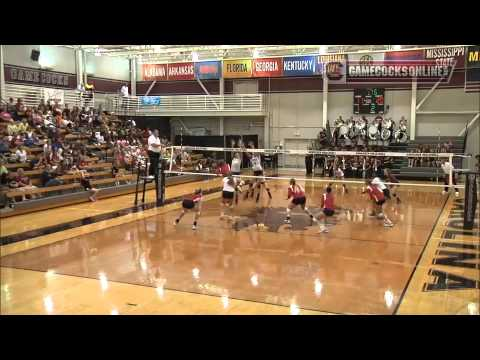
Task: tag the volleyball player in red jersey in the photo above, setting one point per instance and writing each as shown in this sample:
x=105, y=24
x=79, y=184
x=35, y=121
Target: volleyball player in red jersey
x=297, y=194
x=392, y=179
x=378, y=198
x=191, y=203
x=328, y=207
x=223, y=168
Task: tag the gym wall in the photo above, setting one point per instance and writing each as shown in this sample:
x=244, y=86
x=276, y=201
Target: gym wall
x=57, y=58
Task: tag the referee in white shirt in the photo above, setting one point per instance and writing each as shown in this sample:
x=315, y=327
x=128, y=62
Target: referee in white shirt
x=154, y=149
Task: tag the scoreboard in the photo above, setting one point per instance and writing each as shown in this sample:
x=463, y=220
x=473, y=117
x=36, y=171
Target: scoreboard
x=368, y=101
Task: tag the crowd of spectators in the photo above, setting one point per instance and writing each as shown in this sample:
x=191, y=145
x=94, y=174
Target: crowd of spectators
x=446, y=147
x=47, y=126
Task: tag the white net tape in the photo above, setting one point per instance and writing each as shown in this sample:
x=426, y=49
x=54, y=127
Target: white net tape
x=446, y=156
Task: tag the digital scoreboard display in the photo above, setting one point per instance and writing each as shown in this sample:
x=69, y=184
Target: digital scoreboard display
x=368, y=101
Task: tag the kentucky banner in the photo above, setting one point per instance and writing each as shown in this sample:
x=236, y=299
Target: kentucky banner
x=154, y=72
x=300, y=66
x=181, y=71
x=267, y=67
x=150, y=100
x=208, y=70
x=237, y=68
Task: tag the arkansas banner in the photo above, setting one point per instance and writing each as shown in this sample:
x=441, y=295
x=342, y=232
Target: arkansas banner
x=241, y=68
x=181, y=71
x=154, y=72
x=268, y=67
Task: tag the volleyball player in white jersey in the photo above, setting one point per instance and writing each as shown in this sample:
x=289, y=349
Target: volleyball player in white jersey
x=340, y=175
x=257, y=168
x=235, y=170
x=230, y=185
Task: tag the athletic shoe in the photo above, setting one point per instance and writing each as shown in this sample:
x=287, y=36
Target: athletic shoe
x=457, y=194
x=194, y=227
x=372, y=214
x=388, y=224
x=443, y=192
x=287, y=221
x=380, y=216
x=176, y=222
x=323, y=230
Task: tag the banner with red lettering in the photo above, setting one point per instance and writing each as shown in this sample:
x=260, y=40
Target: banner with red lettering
x=268, y=67
x=154, y=72
x=404, y=55
x=181, y=71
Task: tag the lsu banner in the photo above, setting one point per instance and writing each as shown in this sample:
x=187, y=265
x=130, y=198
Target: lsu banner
x=267, y=67
x=451, y=56
x=181, y=71
x=334, y=66
x=150, y=100
x=208, y=70
x=424, y=71
x=237, y=68
x=300, y=66
x=154, y=72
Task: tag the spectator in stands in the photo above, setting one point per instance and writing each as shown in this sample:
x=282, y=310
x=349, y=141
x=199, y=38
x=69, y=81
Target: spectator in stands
x=42, y=107
x=20, y=109
x=21, y=154
x=46, y=174
x=85, y=182
x=23, y=182
x=53, y=181
x=66, y=112
x=11, y=106
x=3, y=173
x=5, y=116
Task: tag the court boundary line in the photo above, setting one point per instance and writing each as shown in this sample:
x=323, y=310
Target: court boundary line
x=49, y=230
x=185, y=291
x=435, y=224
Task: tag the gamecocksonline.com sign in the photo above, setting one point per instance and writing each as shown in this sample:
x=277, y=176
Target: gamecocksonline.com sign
x=424, y=71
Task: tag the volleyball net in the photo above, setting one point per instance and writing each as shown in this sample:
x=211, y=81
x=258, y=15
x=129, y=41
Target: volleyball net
x=312, y=165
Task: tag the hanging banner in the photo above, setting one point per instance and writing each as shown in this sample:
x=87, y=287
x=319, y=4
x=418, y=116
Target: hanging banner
x=404, y=55
x=472, y=71
x=424, y=71
x=154, y=71
x=451, y=56
x=237, y=68
x=267, y=67
x=29, y=76
x=53, y=95
x=208, y=70
x=181, y=71
x=300, y=66
x=150, y=100
x=334, y=66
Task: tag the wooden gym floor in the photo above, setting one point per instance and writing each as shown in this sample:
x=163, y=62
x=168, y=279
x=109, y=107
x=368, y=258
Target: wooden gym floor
x=140, y=263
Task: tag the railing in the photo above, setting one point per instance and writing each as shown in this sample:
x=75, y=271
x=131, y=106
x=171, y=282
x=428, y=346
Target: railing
x=185, y=103
x=31, y=95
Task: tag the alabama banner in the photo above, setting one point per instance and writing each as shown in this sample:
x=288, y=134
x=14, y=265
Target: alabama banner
x=268, y=67
x=208, y=70
x=154, y=71
x=181, y=71
x=241, y=68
